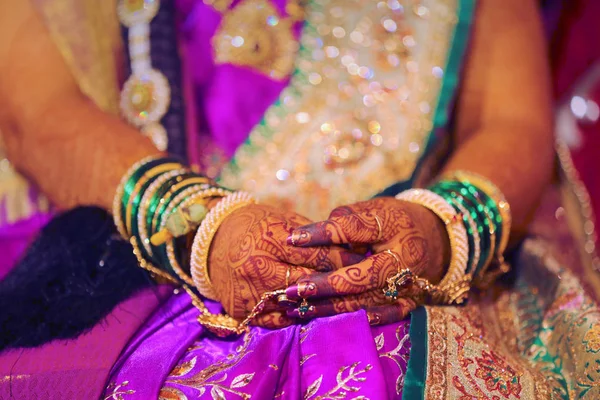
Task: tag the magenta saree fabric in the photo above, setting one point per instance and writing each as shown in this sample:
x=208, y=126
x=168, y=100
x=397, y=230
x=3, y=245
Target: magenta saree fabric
x=76, y=369
x=172, y=356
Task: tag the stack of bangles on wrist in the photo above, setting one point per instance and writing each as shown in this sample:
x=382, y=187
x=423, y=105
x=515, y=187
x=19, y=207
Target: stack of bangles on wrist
x=158, y=201
x=478, y=221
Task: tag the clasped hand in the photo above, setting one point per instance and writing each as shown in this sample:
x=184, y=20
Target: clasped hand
x=338, y=265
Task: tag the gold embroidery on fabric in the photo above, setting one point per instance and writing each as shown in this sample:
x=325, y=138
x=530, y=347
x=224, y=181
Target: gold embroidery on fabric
x=591, y=339
x=169, y=393
x=253, y=34
x=203, y=380
x=184, y=368
x=358, y=110
x=306, y=358
x=395, y=355
x=553, y=329
x=118, y=391
x=346, y=378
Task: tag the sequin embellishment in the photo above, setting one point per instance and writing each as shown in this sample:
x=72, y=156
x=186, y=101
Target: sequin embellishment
x=253, y=34
x=359, y=108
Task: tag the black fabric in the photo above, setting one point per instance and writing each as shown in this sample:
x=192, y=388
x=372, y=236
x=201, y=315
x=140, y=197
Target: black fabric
x=70, y=278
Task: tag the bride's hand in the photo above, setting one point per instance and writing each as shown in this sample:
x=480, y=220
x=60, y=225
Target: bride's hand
x=414, y=236
x=250, y=256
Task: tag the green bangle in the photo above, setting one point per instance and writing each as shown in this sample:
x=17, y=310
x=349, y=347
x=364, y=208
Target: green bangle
x=451, y=197
x=485, y=226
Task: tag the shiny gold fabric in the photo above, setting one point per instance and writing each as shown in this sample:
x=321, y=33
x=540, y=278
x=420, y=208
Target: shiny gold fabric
x=537, y=338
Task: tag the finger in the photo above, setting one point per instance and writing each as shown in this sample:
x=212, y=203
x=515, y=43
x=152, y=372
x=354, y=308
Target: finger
x=378, y=312
x=365, y=227
x=370, y=274
x=383, y=315
x=323, y=258
x=345, y=210
x=273, y=320
x=338, y=305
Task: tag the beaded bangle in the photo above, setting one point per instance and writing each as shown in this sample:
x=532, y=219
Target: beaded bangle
x=186, y=195
x=486, y=227
x=472, y=234
x=454, y=285
x=117, y=199
x=205, y=235
x=167, y=252
x=165, y=200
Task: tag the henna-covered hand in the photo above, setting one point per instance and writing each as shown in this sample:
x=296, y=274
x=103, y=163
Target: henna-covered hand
x=416, y=237
x=249, y=256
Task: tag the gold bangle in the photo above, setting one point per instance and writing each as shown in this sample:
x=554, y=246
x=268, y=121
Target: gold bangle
x=145, y=204
x=191, y=195
x=204, y=236
x=116, y=206
x=175, y=264
x=153, y=172
x=452, y=285
x=167, y=196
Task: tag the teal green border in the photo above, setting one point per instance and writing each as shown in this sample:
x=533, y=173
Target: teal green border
x=416, y=372
x=458, y=47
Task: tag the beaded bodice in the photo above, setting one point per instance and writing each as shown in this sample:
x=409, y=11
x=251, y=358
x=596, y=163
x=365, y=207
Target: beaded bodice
x=359, y=109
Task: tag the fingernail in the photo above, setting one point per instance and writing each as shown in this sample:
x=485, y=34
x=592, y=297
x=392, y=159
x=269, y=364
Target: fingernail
x=285, y=301
x=299, y=238
x=292, y=292
x=293, y=313
x=301, y=290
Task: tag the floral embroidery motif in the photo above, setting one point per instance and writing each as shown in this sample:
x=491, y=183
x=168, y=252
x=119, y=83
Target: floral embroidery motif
x=118, y=391
x=592, y=339
x=346, y=378
x=399, y=354
x=498, y=374
x=207, y=380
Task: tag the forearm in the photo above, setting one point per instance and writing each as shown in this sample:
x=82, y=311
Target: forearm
x=52, y=133
x=518, y=160
x=74, y=152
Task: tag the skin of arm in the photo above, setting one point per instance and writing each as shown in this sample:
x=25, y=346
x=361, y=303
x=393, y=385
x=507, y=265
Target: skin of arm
x=52, y=132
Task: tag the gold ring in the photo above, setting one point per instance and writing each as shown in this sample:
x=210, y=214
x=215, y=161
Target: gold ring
x=379, y=227
x=396, y=258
